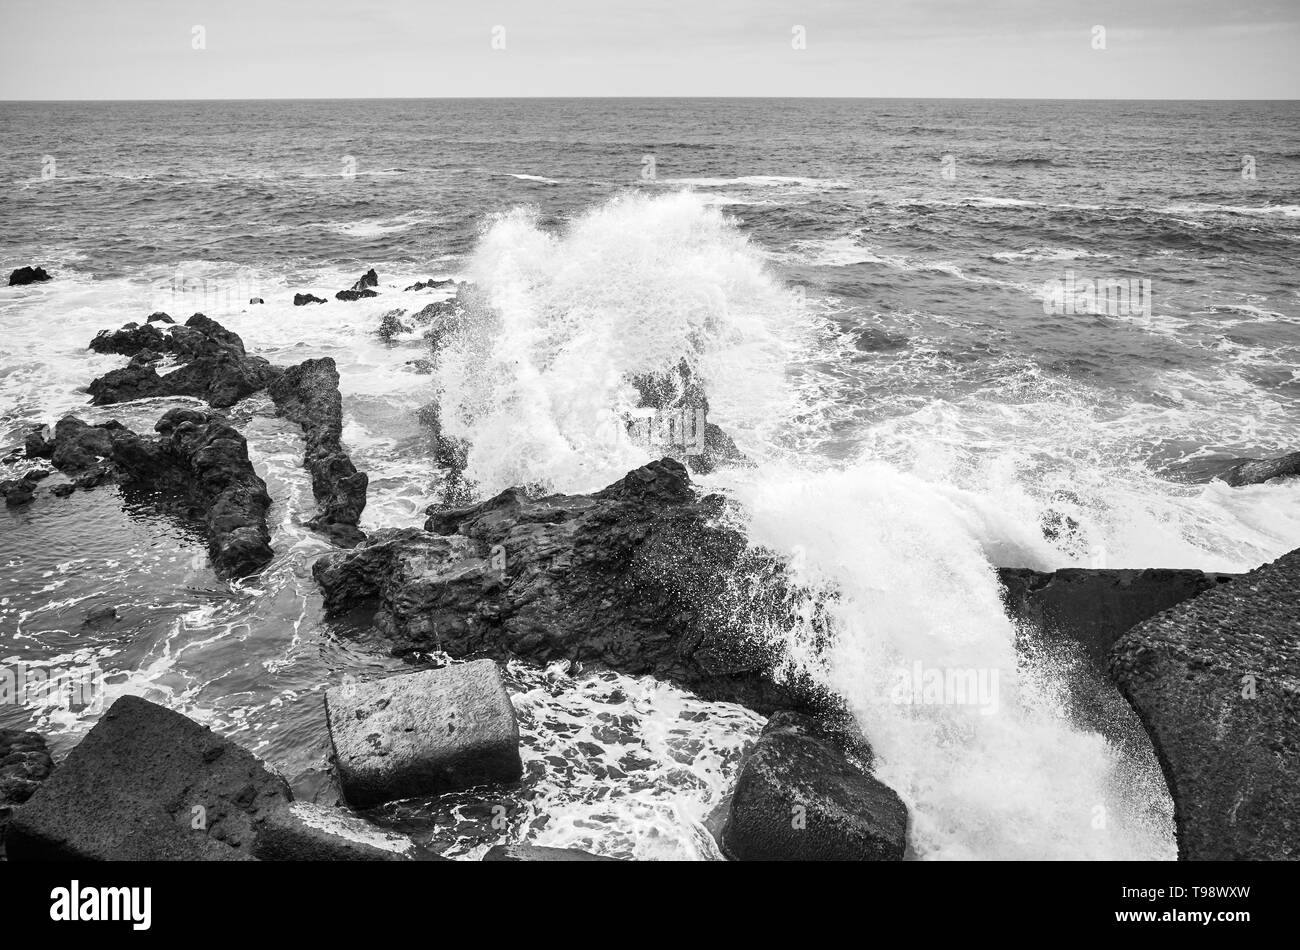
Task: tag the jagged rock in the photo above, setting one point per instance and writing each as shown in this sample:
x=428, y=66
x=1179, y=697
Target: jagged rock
x=159, y=317
x=800, y=796
x=301, y=300
x=355, y=294
x=681, y=428
x=19, y=491
x=27, y=275
x=308, y=394
x=148, y=784
x=1257, y=471
x=24, y=764
x=442, y=318
x=639, y=577
x=430, y=284
x=1094, y=607
x=198, y=468
x=391, y=325
x=530, y=852
x=368, y=279
x=303, y=831
x=1216, y=682
x=216, y=367
x=423, y=733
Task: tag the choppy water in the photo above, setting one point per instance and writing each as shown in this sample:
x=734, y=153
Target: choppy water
x=871, y=330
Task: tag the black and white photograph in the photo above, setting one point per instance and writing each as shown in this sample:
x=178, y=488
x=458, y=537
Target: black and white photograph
x=650, y=432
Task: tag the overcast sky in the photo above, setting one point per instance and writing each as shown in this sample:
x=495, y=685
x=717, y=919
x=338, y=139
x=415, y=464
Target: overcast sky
x=144, y=49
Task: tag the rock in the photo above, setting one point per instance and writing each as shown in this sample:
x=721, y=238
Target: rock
x=681, y=407
x=1094, y=607
x=350, y=295
x=303, y=831
x=24, y=765
x=300, y=300
x=423, y=733
x=430, y=284
x=27, y=275
x=308, y=394
x=529, y=852
x=101, y=616
x=391, y=325
x=1257, y=471
x=1216, y=682
x=148, y=784
x=199, y=469
x=639, y=577
x=368, y=279
x=800, y=797
x=159, y=317
x=20, y=491
x=216, y=367
x=256, y=300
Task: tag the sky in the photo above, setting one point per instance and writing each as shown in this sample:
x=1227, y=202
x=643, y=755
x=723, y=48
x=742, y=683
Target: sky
x=252, y=49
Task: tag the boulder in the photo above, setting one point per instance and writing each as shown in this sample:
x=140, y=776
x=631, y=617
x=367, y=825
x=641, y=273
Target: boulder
x=159, y=317
x=640, y=577
x=1257, y=471
x=1094, y=607
x=423, y=733
x=24, y=764
x=20, y=491
x=301, y=300
x=148, y=784
x=198, y=469
x=303, y=831
x=256, y=300
x=27, y=275
x=368, y=279
x=800, y=796
x=1216, y=682
x=308, y=394
x=350, y=295
x=392, y=325
x=530, y=852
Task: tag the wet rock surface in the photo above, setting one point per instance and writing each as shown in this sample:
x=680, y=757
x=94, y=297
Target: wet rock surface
x=24, y=764
x=27, y=275
x=529, y=853
x=1216, y=682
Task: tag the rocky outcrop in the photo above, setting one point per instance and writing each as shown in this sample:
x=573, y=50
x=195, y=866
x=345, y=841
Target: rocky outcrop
x=19, y=491
x=429, y=284
x=1257, y=471
x=640, y=577
x=801, y=796
x=198, y=468
x=27, y=275
x=148, y=784
x=391, y=325
x=308, y=394
x=1216, y=682
x=531, y=852
x=680, y=427
x=301, y=300
x=1093, y=607
x=350, y=295
x=423, y=733
x=362, y=288
x=216, y=367
x=24, y=764
x=303, y=831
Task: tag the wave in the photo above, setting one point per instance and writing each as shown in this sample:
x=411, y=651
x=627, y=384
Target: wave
x=536, y=178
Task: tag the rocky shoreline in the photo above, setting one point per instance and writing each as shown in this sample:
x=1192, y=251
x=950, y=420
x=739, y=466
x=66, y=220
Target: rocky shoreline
x=644, y=577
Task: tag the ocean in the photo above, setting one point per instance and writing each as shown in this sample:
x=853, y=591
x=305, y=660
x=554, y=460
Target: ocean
x=880, y=298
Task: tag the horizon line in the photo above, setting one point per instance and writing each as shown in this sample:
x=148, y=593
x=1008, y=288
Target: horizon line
x=646, y=98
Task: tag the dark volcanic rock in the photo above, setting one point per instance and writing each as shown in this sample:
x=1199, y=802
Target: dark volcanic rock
x=1094, y=607
x=430, y=284
x=301, y=300
x=19, y=491
x=24, y=765
x=159, y=317
x=801, y=797
x=148, y=784
x=216, y=367
x=681, y=427
x=530, y=852
x=355, y=294
x=1216, y=682
x=198, y=468
x=639, y=577
x=256, y=300
x=1256, y=471
x=423, y=733
x=306, y=832
x=392, y=325
x=27, y=275
x=308, y=394
x=368, y=279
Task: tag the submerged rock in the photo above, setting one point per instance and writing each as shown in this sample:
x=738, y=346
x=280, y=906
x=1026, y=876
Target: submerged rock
x=301, y=300
x=24, y=764
x=148, y=784
x=640, y=577
x=423, y=733
x=1216, y=682
x=308, y=394
x=198, y=468
x=800, y=796
x=1257, y=471
x=20, y=491
x=27, y=275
